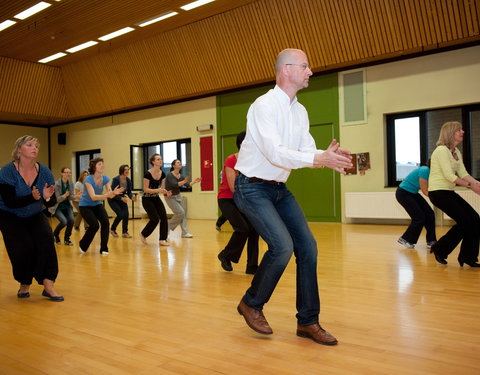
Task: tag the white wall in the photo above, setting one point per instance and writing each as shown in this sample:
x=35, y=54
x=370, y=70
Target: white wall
x=114, y=135
x=428, y=82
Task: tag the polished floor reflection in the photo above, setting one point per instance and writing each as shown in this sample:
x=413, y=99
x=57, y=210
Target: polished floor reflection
x=146, y=309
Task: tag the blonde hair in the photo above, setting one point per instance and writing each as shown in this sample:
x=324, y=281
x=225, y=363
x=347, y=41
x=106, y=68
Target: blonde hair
x=447, y=133
x=19, y=143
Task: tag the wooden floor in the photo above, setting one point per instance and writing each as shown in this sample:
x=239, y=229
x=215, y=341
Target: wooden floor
x=144, y=310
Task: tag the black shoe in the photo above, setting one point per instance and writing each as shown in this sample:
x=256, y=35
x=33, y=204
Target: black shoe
x=68, y=243
x=438, y=257
x=52, y=298
x=57, y=239
x=251, y=270
x=471, y=264
x=226, y=264
x=23, y=295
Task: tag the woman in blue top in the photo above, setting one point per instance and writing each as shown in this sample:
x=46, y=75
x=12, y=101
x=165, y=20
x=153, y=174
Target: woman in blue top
x=418, y=209
x=26, y=188
x=91, y=206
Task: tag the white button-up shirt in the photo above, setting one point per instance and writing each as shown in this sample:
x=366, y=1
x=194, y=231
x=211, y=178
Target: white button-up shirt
x=278, y=138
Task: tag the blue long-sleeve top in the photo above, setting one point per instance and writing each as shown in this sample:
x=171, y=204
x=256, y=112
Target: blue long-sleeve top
x=127, y=191
x=16, y=196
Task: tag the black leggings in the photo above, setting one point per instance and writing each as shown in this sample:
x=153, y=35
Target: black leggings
x=93, y=215
x=30, y=247
x=243, y=231
x=156, y=213
x=466, y=229
x=421, y=213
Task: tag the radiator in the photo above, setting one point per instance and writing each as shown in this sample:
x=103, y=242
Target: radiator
x=383, y=205
x=374, y=205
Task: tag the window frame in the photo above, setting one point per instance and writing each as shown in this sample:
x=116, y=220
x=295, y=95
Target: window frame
x=91, y=153
x=390, y=138
x=145, y=146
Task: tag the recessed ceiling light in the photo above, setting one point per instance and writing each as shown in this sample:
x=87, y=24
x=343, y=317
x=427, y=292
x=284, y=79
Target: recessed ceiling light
x=82, y=46
x=156, y=19
x=32, y=10
x=53, y=57
x=6, y=24
x=116, y=33
x=196, y=4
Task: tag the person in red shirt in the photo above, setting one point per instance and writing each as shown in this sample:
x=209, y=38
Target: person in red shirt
x=243, y=231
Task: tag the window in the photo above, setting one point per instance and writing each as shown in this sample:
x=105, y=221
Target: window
x=412, y=137
x=169, y=150
x=82, y=160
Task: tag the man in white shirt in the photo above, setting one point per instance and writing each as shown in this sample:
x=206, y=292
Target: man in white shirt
x=277, y=141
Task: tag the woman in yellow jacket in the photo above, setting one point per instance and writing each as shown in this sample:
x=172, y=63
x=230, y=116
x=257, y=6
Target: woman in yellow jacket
x=447, y=171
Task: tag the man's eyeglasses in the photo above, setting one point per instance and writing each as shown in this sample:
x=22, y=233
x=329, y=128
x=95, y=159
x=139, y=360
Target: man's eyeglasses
x=302, y=66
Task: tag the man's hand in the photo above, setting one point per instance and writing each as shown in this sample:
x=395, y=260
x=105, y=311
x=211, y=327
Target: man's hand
x=334, y=157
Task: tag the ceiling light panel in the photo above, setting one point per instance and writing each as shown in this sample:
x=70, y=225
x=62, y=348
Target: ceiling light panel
x=6, y=24
x=32, y=10
x=196, y=4
x=116, y=33
x=52, y=57
x=157, y=19
x=82, y=46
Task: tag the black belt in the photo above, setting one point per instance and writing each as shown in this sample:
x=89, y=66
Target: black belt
x=256, y=179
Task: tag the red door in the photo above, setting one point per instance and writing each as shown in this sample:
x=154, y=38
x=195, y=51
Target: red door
x=206, y=159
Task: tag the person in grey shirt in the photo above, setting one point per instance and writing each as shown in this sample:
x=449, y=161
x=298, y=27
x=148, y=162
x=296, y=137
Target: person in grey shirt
x=176, y=202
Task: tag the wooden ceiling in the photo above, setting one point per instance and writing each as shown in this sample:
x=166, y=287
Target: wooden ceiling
x=223, y=45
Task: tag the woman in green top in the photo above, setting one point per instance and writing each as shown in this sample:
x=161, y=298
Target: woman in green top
x=447, y=171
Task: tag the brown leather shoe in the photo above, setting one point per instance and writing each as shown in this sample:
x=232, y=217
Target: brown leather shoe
x=317, y=334
x=254, y=318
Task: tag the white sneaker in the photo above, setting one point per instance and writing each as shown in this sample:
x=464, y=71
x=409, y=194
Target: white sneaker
x=405, y=243
x=187, y=235
x=164, y=243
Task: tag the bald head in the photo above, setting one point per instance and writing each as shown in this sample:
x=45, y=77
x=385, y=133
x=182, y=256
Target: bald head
x=288, y=56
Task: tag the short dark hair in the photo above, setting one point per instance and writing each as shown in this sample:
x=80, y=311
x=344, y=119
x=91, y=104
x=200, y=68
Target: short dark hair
x=240, y=138
x=93, y=164
x=122, y=168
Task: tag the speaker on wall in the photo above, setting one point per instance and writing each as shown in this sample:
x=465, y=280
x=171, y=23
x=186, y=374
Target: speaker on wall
x=62, y=138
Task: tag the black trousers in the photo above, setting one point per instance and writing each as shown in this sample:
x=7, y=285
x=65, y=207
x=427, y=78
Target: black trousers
x=466, y=229
x=156, y=213
x=421, y=213
x=121, y=210
x=30, y=247
x=243, y=231
x=221, y=220
x=96, y=217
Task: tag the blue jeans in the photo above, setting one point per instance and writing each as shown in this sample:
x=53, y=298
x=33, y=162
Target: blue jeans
x=65, y=218
x=121, y=210
x=279, y=220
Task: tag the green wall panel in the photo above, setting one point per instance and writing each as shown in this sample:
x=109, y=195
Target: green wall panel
x=317, y=191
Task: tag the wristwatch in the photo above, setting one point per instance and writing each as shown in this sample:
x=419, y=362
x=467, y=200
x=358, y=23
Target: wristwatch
x=469, y=185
